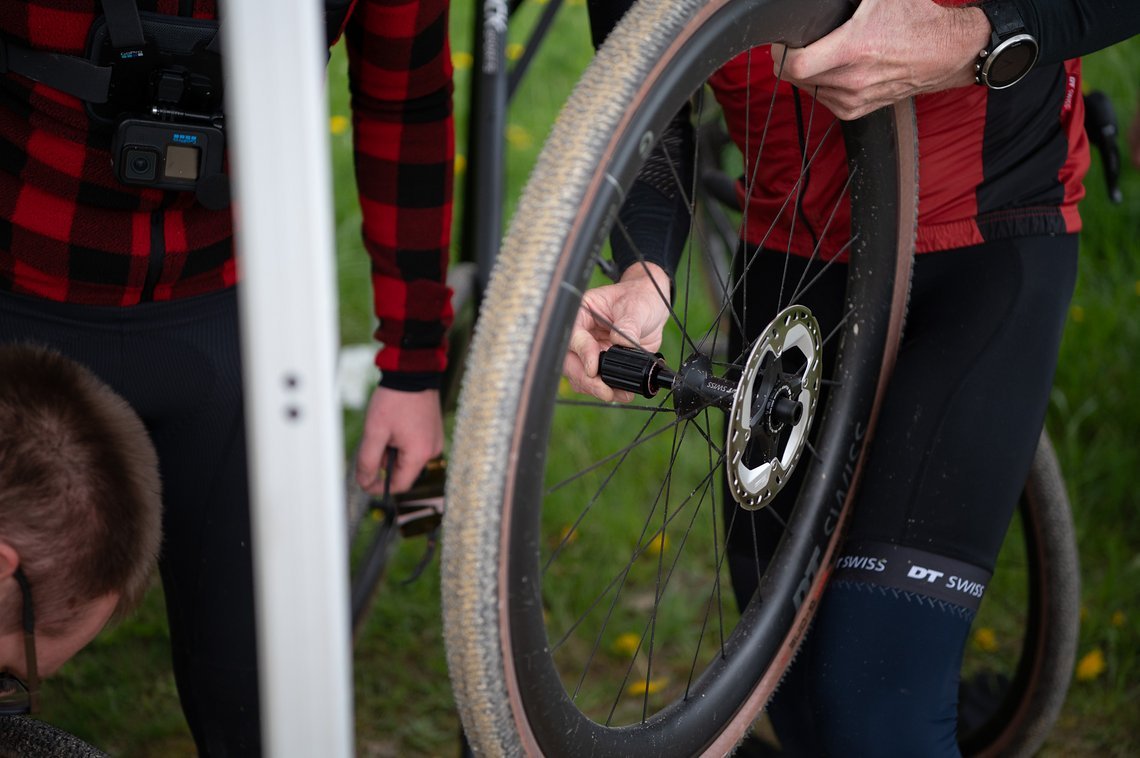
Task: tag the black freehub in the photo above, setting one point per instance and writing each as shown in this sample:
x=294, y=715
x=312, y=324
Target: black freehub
x=694, y=387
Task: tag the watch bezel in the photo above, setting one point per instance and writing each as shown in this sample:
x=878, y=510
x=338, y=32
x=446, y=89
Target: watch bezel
x=987, y=63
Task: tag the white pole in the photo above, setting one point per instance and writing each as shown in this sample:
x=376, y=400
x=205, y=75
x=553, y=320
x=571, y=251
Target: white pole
x=277, y=127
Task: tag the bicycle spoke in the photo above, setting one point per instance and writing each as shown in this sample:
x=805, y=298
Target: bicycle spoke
x=644, y=529
x=800, y=289
x=714, y=594
x=625, y=407
x=599, y=318
x=663, y=583
x=641, y=546
x=616, y=454
x=743, y=277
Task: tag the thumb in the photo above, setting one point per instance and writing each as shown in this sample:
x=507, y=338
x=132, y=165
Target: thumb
x=805, y=63
x=583, y=345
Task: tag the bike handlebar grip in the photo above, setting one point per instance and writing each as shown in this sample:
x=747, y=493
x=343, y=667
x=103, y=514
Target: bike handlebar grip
x=636, y=371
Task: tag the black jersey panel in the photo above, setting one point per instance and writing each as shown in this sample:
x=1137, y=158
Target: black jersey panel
x=1023, y=151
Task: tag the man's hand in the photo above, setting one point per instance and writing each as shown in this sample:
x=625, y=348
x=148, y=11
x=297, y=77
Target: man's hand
x=888, y=51
x=410, y=422
x=632, y=312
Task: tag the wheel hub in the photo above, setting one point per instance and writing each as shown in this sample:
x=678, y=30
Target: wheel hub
x=770, y=408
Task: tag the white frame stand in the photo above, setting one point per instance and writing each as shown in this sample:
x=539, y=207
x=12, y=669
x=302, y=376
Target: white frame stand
x=278, y=135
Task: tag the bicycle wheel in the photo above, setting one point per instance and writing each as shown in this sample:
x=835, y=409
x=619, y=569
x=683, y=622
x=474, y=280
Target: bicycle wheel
x=376, y=523
x=1017, y=670
x=587, y=607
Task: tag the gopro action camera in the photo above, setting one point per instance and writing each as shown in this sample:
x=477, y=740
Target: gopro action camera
x=166, y=155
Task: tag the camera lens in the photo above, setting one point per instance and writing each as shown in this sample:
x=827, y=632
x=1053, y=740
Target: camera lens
x=139, y=165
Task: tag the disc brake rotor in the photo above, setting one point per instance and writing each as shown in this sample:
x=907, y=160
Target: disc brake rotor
x=773, y=408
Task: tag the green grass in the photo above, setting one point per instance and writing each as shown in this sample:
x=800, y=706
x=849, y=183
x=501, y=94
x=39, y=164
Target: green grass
x=119, y=693
x=1095, y=422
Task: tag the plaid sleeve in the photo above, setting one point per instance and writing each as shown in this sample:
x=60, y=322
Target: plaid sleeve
x=403, y=131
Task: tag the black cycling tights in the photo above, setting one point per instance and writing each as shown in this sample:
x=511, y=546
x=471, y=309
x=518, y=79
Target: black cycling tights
x=178, y=364
x=878, y=672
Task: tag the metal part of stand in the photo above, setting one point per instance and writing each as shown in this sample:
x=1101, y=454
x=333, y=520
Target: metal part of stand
x=278, y=126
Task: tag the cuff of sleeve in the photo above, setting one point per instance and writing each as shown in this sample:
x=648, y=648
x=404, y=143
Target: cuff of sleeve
x=407, y=381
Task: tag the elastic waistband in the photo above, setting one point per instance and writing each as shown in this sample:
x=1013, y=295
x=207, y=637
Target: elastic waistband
x=166, y=311
x=912, y=570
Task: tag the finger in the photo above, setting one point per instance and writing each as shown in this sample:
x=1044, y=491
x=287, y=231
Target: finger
x=581, y=383
x=586, y=348
x=409, y=463
x=848, y=105
x=370, y=461
x=604, y=392
x=585, y=385
x=779, y=54
x=834, y=102
x=815, y=63
x=626, y=332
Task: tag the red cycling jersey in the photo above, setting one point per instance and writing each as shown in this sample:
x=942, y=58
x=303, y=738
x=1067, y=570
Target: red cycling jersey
x=992, y=164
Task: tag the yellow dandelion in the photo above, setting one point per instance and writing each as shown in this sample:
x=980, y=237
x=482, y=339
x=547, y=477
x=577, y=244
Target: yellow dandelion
x=460, y=164
x=462, y=61
x=574, y=3
x=376, y=514
x=1090, y=666
x=656, y=545
x=1117, y=618
x=564, y=388
x=567, y=534
x=1138, y=286
x=985, y=639
x=626, y=644
x=515, y=51
x=518, y=137
x=338, y=125
x=1078, y=313
x=640, y=687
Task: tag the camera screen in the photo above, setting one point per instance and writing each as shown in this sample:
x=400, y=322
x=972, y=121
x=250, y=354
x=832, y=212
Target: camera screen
x=181, y=163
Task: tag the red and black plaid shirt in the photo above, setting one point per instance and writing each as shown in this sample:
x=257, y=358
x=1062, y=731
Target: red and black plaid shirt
x=70, y=231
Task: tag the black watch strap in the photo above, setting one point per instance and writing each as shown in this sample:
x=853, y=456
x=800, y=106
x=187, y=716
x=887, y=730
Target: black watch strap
x=1005, y=18
x=1010, y=41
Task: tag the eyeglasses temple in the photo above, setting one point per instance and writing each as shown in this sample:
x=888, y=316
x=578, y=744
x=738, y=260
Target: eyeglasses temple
x=29, y=621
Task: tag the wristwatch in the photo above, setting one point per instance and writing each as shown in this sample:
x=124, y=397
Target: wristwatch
x=1012, y=50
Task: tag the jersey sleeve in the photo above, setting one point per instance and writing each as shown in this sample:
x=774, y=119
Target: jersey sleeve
x=1071, y=28
x=400, y=78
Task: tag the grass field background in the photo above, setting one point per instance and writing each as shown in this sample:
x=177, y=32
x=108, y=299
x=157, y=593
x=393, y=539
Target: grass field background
x=119, y=693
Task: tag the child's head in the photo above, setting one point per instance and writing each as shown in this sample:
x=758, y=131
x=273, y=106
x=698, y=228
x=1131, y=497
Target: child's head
x=80, y=505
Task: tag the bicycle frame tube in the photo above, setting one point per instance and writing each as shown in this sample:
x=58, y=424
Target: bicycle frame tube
x=492, y=88
x=279, y=126
x=484, y=186
x=549, y=11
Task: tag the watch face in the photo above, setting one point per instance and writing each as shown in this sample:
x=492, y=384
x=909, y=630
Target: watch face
x=1010, y=61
